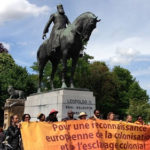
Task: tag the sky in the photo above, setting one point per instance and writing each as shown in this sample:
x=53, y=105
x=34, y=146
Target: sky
x=121, y=38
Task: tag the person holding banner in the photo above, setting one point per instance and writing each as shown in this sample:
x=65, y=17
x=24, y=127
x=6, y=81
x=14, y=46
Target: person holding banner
x=52, y=117
x=111, y=116
x=26, y=118
x=139, y=121
x=96, y=115
x=129, y=119
x=82, y=116
x=41, y=117
x=70, y=116
x=13, y=132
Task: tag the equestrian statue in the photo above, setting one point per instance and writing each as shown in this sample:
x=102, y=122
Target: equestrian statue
x=65, y=42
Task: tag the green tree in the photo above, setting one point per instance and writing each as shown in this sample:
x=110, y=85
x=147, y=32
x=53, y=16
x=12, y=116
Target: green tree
x=129, y=91
x=136, y=92
x=6, y=64
x=139, y=108
x=6, y=61
x=3, y=49
x=102, y=82
x=17, y=76
x=138, y=103
x=124, y=79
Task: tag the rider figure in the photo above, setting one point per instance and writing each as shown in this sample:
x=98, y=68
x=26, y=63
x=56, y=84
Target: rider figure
x=60, y=21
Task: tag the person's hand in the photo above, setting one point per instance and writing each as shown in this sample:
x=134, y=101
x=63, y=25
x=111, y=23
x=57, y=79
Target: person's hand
x=44, y=36
x=19, y=125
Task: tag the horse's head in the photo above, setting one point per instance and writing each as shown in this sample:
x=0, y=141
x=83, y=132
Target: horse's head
x=89, y=24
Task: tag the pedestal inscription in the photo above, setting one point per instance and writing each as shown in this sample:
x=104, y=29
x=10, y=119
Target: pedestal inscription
x=77, y=100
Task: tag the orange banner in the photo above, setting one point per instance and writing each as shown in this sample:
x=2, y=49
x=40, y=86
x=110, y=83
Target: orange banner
x=85, y=135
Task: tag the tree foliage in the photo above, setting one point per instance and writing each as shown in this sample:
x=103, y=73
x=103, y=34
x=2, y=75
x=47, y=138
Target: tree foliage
x=139, y=108
x=17, y=76
x=124, y=79
x=138, y=102
x=3, y=49
x=6, y=61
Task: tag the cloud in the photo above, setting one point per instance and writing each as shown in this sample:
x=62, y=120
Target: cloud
x=103, y=49
x=16, y=9
x=123, y=56
x=6, y=45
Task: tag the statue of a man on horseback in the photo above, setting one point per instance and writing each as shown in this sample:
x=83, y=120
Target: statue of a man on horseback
x=64, y=43
x=60, y=21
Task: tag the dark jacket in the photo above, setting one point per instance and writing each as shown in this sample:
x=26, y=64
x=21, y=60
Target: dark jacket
x=14, y=137
x=50, y=118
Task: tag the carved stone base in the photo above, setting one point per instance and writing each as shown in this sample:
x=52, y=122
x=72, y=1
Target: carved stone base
x=12, y=107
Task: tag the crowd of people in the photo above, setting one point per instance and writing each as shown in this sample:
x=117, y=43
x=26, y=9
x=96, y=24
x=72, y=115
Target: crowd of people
x=12, y=136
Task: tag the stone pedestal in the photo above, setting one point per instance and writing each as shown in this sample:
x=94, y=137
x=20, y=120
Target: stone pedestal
x=77, y=100
x=12, y=107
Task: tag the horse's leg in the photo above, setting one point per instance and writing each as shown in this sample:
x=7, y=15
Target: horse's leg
x=64, y=69
x=74, y=62
x=54, y=68
x=41, y=68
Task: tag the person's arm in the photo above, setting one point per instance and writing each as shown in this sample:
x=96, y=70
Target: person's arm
x=68, y=22
x=47, y=26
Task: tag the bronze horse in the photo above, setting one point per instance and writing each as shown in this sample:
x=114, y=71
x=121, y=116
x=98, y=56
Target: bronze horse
x=71, y=43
